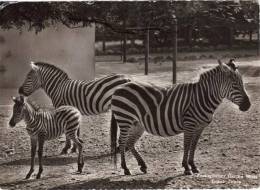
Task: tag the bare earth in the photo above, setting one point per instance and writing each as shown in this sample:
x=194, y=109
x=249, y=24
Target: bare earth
x=228, y=153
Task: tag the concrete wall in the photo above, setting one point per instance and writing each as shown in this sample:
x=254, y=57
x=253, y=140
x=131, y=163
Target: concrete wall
x=70, y=49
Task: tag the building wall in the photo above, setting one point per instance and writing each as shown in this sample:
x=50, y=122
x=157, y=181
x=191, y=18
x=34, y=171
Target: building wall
x=70, y=49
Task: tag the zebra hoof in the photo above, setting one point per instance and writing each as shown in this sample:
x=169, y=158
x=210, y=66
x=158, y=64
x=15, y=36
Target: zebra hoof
x=63, y=152
x=127, y=172
x=187, y=172
x=195, y=170
x=28, y=176
x=38, y=176
x=80, y=167
x=143, y=169
x=73, y=150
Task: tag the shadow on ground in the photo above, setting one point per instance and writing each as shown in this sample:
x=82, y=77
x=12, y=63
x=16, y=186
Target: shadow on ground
x=27, y=181
x=54, y=160
x=108, y=183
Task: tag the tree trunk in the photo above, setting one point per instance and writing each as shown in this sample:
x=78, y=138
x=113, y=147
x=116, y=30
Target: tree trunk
x=189, y=37
x=174, y=53
x=250, y=35
x=146, y=52
x=103, y=45
x=124, y=41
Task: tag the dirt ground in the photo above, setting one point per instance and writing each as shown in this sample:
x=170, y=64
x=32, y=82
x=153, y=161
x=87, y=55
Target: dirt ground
x=228, y=153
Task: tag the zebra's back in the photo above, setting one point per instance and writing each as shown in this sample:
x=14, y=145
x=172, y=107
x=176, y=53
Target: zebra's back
x=92, y=97
x=159, y=110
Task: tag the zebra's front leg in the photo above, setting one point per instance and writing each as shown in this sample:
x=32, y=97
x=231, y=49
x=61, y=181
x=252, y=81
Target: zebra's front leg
x=79, y=142
x=187, y=145
x=33, y=152
x=194, y=143
x=40, y=154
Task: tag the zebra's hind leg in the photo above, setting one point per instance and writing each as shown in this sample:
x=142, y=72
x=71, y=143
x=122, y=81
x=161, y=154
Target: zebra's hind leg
x=66, y=147
x=140, y=160
x=194, y=143
x=123, y=137
x=136, y=133
x=187, y=146
x=74, y=148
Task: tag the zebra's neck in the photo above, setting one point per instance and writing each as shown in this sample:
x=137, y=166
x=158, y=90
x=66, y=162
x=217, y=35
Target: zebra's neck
x=208, y=95
x=52, y=83
x=31, y=118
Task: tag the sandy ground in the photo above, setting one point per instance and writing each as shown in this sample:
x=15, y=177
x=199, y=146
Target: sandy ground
x=228, y=153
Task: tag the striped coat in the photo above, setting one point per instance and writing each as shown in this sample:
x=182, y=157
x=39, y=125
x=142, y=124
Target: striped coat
x=187, y=108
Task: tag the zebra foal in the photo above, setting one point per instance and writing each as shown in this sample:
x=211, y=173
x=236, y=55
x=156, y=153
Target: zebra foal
x=90, y=97
x=46, y=125
x=183, y=108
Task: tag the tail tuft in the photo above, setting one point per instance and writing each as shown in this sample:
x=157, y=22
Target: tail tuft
x=113, y=139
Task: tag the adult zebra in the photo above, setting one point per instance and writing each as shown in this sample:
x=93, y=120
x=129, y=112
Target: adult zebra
x=187, y=108
x=89, y=97
x=46, y=125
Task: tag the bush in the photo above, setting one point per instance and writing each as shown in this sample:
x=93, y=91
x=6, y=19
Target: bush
x=132, y=60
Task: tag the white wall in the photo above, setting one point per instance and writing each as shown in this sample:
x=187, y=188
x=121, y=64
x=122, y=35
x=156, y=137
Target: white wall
x=70, y=49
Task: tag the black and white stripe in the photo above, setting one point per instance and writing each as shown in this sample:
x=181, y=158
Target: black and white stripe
x=90, y=98
x=166, y=112
x=46, y=125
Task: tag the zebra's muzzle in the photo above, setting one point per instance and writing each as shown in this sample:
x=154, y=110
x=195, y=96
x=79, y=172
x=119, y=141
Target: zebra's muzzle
x=245, y=105
x=12, y=123
x=20, y=91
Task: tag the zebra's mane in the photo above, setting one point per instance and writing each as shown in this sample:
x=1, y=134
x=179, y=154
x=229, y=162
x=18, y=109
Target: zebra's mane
x=209, y=73
x=34, y=105
x=47, y=65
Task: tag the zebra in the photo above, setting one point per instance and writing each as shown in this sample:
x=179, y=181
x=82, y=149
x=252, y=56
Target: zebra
x=90, y=98
x=183, y=108
x=42, y=125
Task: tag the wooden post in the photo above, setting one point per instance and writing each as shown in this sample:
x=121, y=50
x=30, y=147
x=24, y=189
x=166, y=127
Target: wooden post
x=174, y=53
x=146, y=52
x=124, y=41
x=258, y=33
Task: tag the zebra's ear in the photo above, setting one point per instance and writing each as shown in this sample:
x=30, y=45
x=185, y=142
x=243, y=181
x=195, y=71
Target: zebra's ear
x=22, y=99
x=220, y=62
x=14, y=98
x=232, y=64
x=223, y=66
x=34, y=67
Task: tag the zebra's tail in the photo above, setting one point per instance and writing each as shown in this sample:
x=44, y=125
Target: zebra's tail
x=113, y=138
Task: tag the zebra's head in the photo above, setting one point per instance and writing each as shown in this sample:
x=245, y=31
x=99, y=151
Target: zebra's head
x=32, y=81
x=18, y=111
x=234, y=89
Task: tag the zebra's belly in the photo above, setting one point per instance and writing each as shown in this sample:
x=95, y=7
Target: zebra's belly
x=53, y=132
x=163, y=130
x=168, y=134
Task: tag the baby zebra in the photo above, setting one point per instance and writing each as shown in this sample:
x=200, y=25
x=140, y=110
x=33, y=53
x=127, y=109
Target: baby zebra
x=46, y=125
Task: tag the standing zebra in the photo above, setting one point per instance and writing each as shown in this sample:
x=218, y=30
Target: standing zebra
x=186, y=108
x=89, y=97
x=46, y=125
